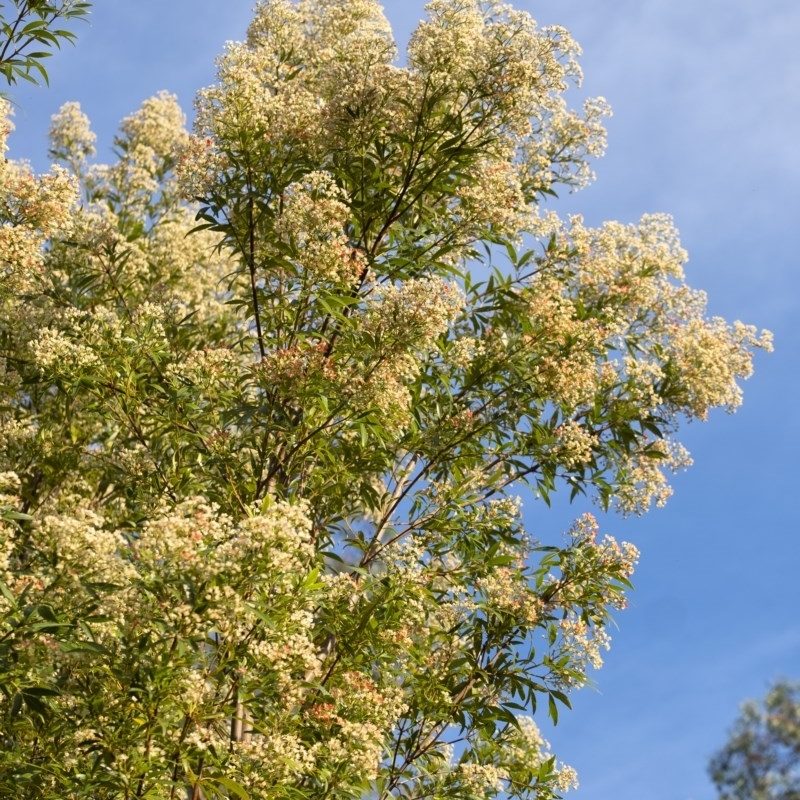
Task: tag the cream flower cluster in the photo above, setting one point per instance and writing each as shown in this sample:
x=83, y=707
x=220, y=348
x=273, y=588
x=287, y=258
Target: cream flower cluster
x=314, y=78
x=574, y=444
x=646, y=480
x=381, y=348
x=312, y=222
x=507, y=589
x=524, y=752
x=32, y=209
x=527, y=745
x=610, y=319
x=415, y=312
x=582, y=643
x=194, y=537
x=71, y=137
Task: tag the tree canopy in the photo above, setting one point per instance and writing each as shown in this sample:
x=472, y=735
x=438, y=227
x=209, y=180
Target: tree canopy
x=761, y=759
x=270, y=391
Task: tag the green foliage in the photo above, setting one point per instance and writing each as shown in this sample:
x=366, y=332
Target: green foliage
x=28, y=36
x=761, y=759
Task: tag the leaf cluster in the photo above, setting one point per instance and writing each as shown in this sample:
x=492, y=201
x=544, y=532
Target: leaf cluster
x=28, y=34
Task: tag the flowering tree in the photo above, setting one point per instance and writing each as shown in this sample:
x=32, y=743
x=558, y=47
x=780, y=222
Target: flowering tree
x=269, y=391
x=761, y=760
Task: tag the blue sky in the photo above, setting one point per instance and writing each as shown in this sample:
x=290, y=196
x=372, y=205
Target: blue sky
x=706, y=99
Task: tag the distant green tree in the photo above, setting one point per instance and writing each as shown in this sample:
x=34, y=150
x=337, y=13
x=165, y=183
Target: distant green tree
x=28, y=34
x=761, y=760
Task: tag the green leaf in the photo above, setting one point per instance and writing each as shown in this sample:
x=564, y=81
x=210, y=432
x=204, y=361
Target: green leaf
x=552, y=709
x=227, y=783
x=82, y=647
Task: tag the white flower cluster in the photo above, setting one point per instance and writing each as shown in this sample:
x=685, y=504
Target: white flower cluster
x=645, y=479
x=619, y=289
x=404, y=321
x=71, y=138
x=315, y=78
x=32, y=209
x=312, y=221
x=574, y=444
x=65, y=349
x=194, y=537
x=583, y=643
